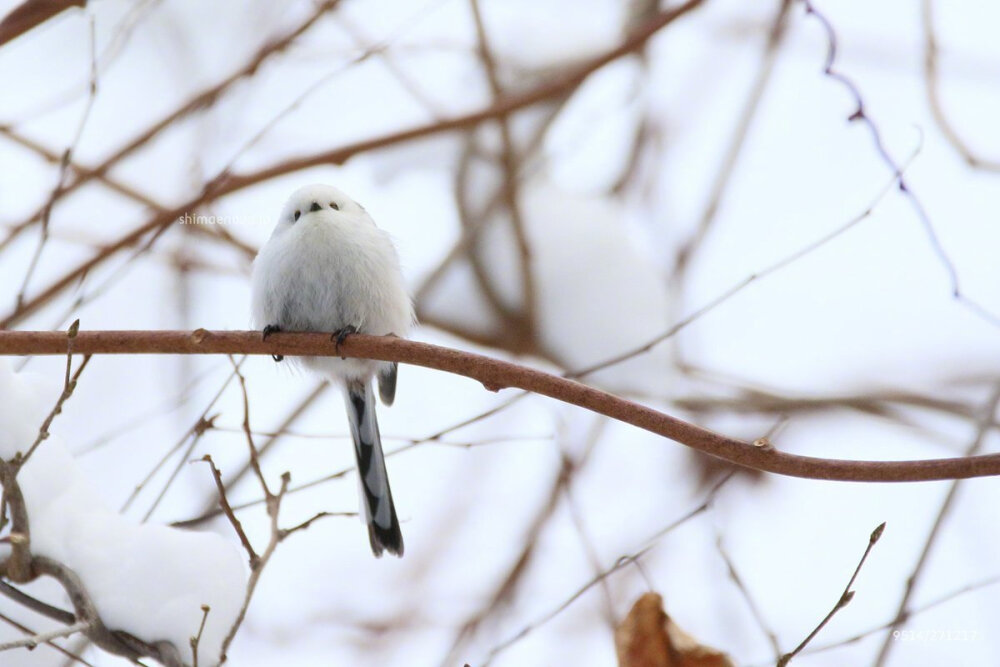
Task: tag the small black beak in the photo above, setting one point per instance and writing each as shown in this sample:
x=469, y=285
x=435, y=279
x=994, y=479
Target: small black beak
x=314, y=207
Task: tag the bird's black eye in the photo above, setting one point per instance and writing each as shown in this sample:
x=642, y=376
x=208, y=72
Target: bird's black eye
x=297, y=214
x=334, y=206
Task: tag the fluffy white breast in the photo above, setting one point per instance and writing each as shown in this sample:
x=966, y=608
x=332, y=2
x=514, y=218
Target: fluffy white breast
x=329, y=268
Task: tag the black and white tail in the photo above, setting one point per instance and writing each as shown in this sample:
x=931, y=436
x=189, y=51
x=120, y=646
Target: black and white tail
x=376, y=498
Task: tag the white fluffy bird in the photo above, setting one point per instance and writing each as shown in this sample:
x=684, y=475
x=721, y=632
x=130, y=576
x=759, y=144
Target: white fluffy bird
x=327, y=267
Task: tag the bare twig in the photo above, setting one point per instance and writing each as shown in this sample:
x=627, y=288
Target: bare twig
x=273, y=504
x=44, y=637
x=254, y=458
x=201, y=426
x=746, y=282
x=69, y=386
x=472, y=225
x=64, y=163
x=889, y=404
x=386, y=57
x=228, y=511
x=772, y=46
x=205, y=609
x=194, y=434
x=859, y=115
x=979, y=585
x=210, y=513
x=722, y=298
x=509, y=161
x=296, y=413
x=257, y=567
x=845, y=598
x=105, y=179
x=933, y=83
x=70, y=656
x=902, y=612
x=513, y=335
x=576, y=513
x=213, y=512
x=505, y=588
x=623, y=561
x=285, y=532
x=748, y=598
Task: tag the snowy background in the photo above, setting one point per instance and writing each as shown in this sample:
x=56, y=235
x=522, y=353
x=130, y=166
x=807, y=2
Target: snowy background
x=645, y=192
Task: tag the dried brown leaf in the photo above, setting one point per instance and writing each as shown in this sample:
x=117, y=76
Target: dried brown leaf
x=649, y=638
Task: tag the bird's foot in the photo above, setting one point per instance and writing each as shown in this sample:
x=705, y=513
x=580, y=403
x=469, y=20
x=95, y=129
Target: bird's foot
x=268, y=330
x=341, y=334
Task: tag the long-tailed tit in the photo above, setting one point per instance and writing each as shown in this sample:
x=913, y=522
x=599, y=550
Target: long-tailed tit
x=327, y=267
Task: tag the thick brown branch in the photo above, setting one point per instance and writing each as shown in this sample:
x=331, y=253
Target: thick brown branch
x=115, y=642
x=495, y=374
x=30, y=14
x=17, y=567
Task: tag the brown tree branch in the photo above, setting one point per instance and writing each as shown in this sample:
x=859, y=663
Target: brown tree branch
x=495, y=374
x=226, y=184
x=228, y=510
x=527, y=321
x=932, y=83
x=737, y=141
x=32, y=13
x=202, y=100
x=115, y=642
x=81, y=171
x=17, y=566
x=272, y=440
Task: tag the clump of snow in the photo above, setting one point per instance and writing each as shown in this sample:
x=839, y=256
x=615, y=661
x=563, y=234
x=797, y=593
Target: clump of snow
x=148, y=580
x=599, y=294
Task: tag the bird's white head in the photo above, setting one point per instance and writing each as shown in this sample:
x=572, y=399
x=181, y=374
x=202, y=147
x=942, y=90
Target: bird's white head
x=318, y=198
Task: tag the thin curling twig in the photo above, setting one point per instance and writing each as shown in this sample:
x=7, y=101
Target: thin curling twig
x=43, y=637
x=69, y=385
x=228, y=510
x=843, y=601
